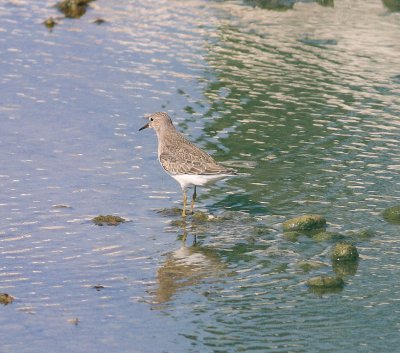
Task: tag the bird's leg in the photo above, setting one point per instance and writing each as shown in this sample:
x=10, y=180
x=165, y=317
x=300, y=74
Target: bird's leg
x=184, y=235
x=193, y=200
x=184, y=203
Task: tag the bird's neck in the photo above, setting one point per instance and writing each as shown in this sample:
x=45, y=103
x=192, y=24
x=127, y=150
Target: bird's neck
x=166, y=136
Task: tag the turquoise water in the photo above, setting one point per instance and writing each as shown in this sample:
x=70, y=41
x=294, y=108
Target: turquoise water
x=304, y=102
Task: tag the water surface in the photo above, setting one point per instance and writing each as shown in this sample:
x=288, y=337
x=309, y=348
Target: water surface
x=304, y=100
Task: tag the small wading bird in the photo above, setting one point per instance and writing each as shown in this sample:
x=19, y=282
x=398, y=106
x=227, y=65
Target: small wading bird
x=182, y=160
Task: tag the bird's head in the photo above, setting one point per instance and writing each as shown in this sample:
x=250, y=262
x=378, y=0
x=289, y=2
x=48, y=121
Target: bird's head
x=157, y=121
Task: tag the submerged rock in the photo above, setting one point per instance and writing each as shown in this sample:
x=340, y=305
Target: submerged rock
x=325, y=284
x=108, y=220
x=344, y=252
x=6, y=298
x=306, y=222
x=392, y=214
x=291, y=236
x=327, y=236
x=362, y=234
x=73, y=8
x=307, y=266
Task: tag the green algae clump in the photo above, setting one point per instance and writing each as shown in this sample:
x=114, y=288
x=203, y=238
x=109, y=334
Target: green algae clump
x=6, y=299
x=73, y=8
x=344, y=252
x=303, y=223
x=392, y=214
x=108, y=220
x=325, y=284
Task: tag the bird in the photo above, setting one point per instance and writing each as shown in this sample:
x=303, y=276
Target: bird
x=182, y=160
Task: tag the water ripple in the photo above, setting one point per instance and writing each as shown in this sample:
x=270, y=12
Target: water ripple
x=305, y=102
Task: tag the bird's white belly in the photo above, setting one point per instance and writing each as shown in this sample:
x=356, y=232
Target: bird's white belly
x=186, y=180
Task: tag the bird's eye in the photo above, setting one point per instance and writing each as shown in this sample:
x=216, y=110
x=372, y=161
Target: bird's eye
x=151, y=119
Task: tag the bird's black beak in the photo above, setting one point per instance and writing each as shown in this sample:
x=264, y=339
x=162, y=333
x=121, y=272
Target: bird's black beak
x=144, y=127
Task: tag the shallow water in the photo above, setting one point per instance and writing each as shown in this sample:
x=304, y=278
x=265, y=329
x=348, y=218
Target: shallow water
x=304, y=101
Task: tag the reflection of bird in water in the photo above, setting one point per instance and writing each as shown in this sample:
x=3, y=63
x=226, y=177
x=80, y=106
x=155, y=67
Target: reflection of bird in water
x=185, y=267
x=182, y=160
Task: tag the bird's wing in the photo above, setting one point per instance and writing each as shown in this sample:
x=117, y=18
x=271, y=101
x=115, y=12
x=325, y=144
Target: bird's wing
x=186, y=158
